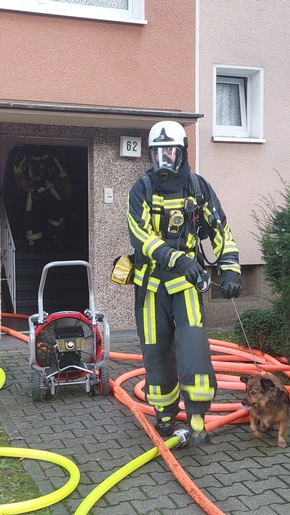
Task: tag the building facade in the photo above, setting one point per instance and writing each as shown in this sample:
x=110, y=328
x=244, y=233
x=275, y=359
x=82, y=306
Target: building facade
x=89, y=79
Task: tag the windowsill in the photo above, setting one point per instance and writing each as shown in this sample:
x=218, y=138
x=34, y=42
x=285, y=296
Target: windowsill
x=72, y=11
x=228, y=139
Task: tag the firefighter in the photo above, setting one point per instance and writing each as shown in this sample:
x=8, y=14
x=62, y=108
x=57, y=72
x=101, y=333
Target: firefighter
x=164, y=230
x=47, y=189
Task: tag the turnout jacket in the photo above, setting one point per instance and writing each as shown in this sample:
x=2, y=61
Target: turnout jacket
x=157, y=248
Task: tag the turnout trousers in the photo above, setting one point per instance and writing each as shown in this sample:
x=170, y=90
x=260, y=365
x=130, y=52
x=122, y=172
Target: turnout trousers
x=175, y=351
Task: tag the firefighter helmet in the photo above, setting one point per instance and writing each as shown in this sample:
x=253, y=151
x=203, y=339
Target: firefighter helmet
x=167, y=145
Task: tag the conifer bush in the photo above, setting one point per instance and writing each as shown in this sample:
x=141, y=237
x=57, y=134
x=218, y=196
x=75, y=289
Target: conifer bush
x=269, y=329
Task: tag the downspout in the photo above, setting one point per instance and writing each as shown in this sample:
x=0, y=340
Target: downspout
x=197, y=43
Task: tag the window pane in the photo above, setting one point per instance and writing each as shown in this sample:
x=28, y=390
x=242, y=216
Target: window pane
x=228, y=111
x=116, y=4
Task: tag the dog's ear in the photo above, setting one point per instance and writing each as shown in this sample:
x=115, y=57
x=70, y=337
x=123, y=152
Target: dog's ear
x=267, y=384
x=244, y=379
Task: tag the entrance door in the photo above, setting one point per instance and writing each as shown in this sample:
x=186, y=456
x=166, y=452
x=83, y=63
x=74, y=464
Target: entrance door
x=45, y=192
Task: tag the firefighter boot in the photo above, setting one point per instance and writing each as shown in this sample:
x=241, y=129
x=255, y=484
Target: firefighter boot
x=198, y=435
x=165, y=426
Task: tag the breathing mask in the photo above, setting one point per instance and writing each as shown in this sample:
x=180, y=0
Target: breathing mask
x=167, y=148
x=166, y=161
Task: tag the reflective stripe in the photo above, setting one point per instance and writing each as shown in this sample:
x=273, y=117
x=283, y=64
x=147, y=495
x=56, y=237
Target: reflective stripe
x=173, y=257
x=229, y=243
x=139, y=275
x=201, y=391
x=206, y=211
x=191, y=241
x=218, y=241
x=230, y=247
x=146, y=216
x=157, y=201
x=173, y=203
x=153, y=284
x=28, y=202
x=51, y=188
x=149, y=319
x=31, y=237
x=55, y=223
x=134, y=227
x=157, y=205
x=177, y=285
x=156, y=398
x=234, y=267
x=138, y=232
x=152, y=243
x=193, y=308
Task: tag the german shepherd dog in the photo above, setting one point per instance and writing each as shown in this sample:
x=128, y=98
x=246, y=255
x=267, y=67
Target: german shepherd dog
x=268, y=400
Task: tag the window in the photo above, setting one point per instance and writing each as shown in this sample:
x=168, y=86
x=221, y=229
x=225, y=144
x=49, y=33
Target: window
x=128, y=11
x=238, y=104
x=251, y=278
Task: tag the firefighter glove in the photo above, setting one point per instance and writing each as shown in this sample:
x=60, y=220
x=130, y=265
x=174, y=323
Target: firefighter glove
x=231, y=285
x=189, y=267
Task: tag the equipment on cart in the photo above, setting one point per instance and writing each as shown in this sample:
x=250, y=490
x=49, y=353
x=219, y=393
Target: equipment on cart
x=67, y=347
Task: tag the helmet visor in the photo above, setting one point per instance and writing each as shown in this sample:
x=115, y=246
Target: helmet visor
x=166, y=158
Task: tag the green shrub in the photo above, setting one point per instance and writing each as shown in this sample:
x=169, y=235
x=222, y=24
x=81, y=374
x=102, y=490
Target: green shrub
x=273, y=223
x=265, y=330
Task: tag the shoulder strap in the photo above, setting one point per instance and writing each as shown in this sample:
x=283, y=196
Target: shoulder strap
x=193, y=177
x=148, y=188
x=195, y=184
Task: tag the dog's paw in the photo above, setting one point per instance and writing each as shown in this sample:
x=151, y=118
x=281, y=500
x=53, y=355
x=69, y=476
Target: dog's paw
x=263, y=428
x=282, y=444
x=256, y=433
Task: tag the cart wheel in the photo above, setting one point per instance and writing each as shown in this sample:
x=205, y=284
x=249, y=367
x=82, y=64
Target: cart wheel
x=38, y=393
x=104, y=384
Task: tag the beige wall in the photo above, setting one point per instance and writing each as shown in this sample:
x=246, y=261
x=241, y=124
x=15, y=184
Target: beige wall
x=248, y=33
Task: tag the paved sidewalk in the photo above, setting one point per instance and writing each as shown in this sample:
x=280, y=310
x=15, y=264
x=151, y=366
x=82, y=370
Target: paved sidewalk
x=239, y=473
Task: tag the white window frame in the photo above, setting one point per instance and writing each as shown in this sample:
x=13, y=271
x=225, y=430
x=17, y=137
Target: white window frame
x=134, y=14
x=251, y=89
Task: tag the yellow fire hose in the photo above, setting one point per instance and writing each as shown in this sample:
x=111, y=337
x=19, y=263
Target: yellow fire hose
x=2, y=378
x=117, y=476
x=46, y=500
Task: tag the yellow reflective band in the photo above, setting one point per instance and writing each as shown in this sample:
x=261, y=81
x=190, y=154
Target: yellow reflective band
x=230, y=247
x=177, y=285
x=139, y=275
x=154, y=389
x=150, y=245
x=157, y=201
x=155, y=222
x=206, y=211
x=146, y=216
x=140, y=234
x=218, y=241
x=191, y=240
x=193, y=307
x=173, y=257
x=163, y=399
x=234, y=267
x=191, y=254
x=149, y=319
x=153, y=284
x=201, y=391
x=173, y=203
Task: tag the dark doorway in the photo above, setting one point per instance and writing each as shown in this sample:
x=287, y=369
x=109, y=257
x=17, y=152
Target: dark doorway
x=49, y=223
